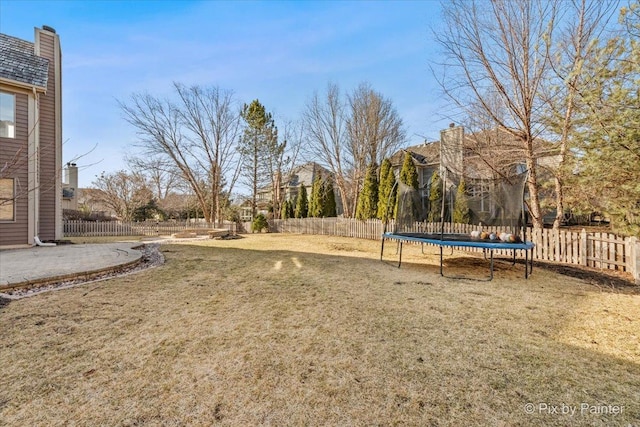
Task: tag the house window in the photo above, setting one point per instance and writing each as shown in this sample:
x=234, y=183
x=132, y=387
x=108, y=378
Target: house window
x=480, y=193
x=7, y=202
x=7, y=115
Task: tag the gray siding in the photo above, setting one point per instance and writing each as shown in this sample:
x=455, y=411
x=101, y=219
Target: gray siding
x=14, y=152
x=48, y=173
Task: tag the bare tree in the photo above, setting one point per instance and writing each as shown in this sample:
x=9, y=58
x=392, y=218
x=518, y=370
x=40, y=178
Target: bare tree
x=350, y=134
x=195, y=135
x=375, y=132
x=325, y=125
x=122, y=192
x=160, y=174
x=496, y=48
x=281, y=160
x=213, y=122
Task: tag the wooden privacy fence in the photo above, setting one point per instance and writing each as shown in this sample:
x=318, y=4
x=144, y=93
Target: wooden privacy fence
x=599, y=250
x=146, y=228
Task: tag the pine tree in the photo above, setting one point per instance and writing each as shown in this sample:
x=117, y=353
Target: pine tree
x=329, y=200
x=368, y=200
x=461, y=206
x=259, y=134
x=302, y=203
x=435, y=197
x=385, y=196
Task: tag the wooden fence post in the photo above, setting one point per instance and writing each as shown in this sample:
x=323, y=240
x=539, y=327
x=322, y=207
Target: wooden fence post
x=633, y=252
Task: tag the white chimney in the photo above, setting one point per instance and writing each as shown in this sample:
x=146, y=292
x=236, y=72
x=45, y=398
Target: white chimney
x=71, y=173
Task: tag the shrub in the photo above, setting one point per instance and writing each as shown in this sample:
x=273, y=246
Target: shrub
x=259, y=223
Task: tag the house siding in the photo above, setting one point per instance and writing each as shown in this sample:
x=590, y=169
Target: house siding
x=14, y=153
x=49, y=175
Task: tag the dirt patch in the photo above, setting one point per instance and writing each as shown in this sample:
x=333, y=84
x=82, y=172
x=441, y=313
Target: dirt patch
x=605, y=280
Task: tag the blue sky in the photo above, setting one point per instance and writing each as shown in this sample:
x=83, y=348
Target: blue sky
x=277, y=52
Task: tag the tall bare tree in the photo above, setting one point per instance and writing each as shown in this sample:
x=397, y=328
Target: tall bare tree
x=211, y=117
x=196, y=135
x=375, y=131
x=350, y=133
x=325, y=127
x=496, y=48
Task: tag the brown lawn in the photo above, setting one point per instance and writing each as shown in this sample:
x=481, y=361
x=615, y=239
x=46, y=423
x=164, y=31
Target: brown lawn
x=315, y=330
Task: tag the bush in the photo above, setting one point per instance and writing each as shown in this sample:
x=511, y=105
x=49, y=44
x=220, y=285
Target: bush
x=259, y=223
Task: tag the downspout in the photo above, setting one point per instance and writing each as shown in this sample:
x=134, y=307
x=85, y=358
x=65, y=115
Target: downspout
x=38, y=242
x=33, y=143
x=36, y=175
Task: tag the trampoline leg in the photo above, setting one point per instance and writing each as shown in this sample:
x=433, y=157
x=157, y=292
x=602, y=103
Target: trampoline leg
x=491, y=274
x=422, y=247
x=382, y=249
x=441, y=273
x=514, y=258
x=400, y=253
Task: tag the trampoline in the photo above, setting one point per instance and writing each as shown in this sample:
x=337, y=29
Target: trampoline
x=459, y=240
x=499, y=212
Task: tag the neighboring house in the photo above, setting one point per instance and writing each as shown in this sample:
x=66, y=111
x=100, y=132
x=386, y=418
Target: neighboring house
x=30, y=138
x=478, y=157
x=426, y=159
x=303, y=175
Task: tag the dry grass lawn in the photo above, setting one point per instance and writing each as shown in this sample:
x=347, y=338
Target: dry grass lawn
x=314, y=330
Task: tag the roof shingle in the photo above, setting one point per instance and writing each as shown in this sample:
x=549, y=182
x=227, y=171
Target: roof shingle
x=19, y=63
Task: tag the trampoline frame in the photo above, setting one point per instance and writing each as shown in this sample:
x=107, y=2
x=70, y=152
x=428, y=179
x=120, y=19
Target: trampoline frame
x=489, y=246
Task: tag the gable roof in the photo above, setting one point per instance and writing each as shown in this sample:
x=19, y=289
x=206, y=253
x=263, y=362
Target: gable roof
x=19, y=63
x=422, y=154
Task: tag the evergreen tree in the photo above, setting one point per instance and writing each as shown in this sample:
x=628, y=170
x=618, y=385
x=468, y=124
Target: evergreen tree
x=259, y=135
x=368, y=201
x=329, y=200
x=408, y=173
x=284, y=210
x=291, y=213
x=259, y=223
x=461, y=206
x=608, y=180
x=409, y=176
x=302, y=203
x=387, y=182
x=316, y=201
x=435, y=197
